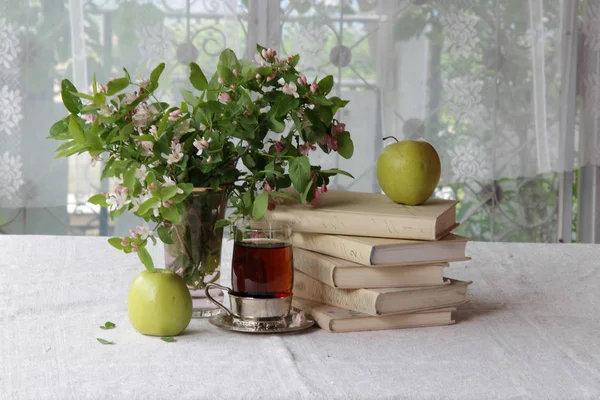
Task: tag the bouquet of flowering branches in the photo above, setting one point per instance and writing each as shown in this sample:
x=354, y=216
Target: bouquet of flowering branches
x=265, y=116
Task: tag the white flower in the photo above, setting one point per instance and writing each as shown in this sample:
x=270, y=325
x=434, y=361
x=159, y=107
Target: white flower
x=10, y=109
x=143, y=231
x=9, y=44
x=142, y=82
x=118, y=199
x=153, y=131
x=290, y=89
x=182, y=129
x=281, y=81
x=106, y=110
x=201, y=145
x=145, y=113
x=176, y=153
x=128, y=99
x=141, y=172
x=11, y=176
x=147, y=148
x=168, y=181
x=137, y=201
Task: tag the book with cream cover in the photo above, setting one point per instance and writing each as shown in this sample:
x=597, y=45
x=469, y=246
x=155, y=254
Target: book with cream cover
x=369, y=214
x=345, y=274
x=334, y=319
x=382, y=251
x=381, y=301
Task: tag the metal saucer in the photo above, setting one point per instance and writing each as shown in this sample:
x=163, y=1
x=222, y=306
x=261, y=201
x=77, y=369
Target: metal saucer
x=291, y=323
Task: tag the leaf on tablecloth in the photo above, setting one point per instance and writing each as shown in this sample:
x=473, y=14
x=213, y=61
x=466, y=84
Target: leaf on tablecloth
x=104, y=341
x=108, y=325
x=168, y=339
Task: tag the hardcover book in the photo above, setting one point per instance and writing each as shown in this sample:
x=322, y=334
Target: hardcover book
x=369, y=214
x=334, y=319
x=378, y=302
x=382, y=251
x=345, y=274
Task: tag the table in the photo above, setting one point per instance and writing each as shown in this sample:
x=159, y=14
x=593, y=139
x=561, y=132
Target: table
x=531, y=330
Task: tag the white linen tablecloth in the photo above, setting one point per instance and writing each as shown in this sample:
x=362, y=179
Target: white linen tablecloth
x=531, y=330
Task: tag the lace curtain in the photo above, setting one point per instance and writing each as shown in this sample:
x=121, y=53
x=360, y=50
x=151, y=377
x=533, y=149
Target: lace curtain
x=481, y=80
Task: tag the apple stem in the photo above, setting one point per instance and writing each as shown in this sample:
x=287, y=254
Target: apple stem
x=390, y=137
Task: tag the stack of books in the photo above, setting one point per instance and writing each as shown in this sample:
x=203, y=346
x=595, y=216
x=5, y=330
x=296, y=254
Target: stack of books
x=363, y=262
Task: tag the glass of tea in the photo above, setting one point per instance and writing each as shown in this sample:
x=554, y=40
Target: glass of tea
x=262, y=274
x=262, y=260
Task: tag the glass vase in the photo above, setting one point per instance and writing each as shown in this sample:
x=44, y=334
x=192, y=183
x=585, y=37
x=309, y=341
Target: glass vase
x=196, y=250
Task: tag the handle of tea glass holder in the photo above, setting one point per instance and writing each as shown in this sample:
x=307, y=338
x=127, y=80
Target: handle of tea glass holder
x=212, y=300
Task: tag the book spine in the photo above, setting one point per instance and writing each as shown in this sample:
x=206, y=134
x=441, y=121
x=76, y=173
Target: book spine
x=335, y=246
x=337, y=223
x=360, y=300
x=313, y=265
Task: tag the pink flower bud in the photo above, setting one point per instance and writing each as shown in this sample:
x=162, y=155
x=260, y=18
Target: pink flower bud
x=271, y=77
x=302, y=80
x=314, y=87
x=134, y=250
x=338, y=127
x=221, y=81
x=271, y=206
x=279, y=146
x=316, y=193
x=105, y=194
x=134, y=245
x=174, y=115
x=166, y=204
x=258, y=76
x=323, y=188
x=224, y=98
x=235, y=72
x=124, y=243
x=267, y=187
x=132, y=232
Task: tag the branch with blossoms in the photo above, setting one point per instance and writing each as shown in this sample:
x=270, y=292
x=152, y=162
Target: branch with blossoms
x=159, y=153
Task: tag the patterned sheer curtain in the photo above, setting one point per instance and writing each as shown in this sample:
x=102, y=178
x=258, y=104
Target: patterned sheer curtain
x=485, y=81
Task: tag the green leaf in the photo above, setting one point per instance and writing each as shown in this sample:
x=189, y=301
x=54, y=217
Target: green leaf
x=190, y=98
x=116, y=85
x=168, y=339
x=326, y=84
x=170, y=214
x=275, y=125
x=108, y=325
x=104, y=341
x=164, y=235
x=75, y=130
x=334, y=171
x=259, y=208
x=285, y=104
x=306, y=192
x=228, y=59
x=320, y=99
x=284, y=195
x=338, y=103
x=78, y=148
x=345, y=145
x=59, y=129
x=147, y=205
x=98, y=199
x=222, y=223
x=155, y=75
x=197, y=77
x=299, y=171
x=71, y=102
x=100, y=98
x=129, y=177
x=116, y=243
x=167, y=192
x=66, y=145
x=145, y=258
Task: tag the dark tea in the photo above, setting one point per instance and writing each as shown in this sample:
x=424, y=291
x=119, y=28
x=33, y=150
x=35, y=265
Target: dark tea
x=262, y=269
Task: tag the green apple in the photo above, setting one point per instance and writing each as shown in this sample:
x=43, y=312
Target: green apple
x=408, y=171
x=159, y=303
